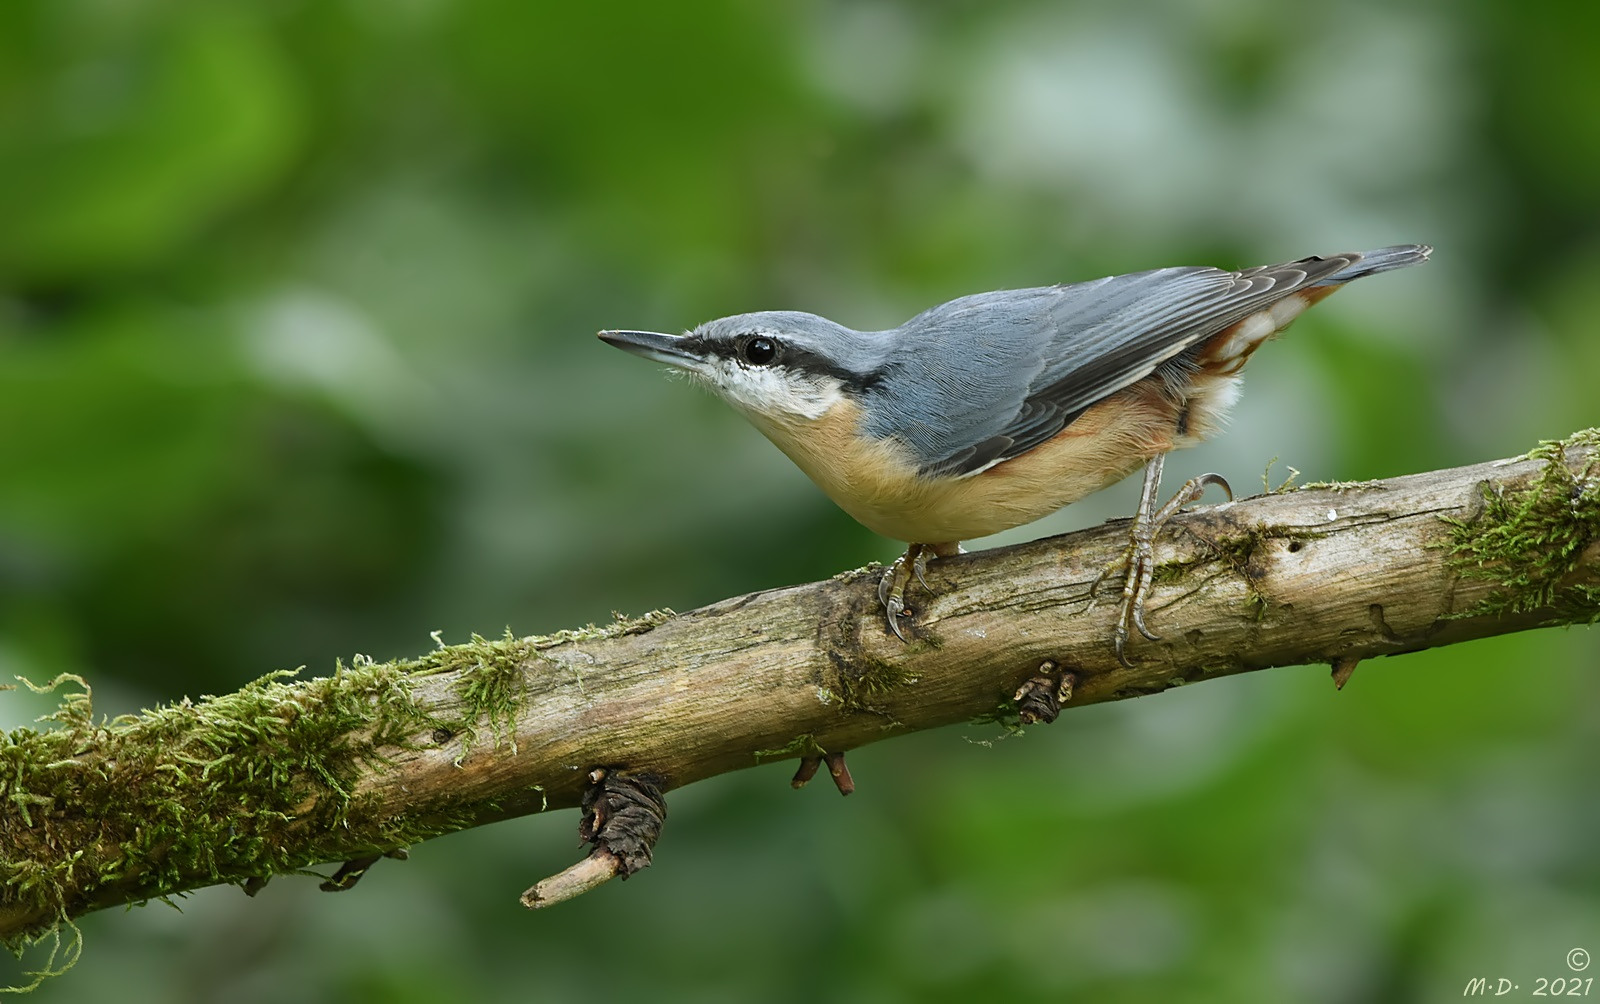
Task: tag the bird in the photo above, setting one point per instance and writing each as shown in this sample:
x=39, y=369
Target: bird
x=996, y=409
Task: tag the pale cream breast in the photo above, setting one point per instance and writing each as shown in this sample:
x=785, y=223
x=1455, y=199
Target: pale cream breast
x=876, y=481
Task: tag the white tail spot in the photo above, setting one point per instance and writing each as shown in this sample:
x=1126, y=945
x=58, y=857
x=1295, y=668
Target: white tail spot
x=1287, y=309
x=1249, y=335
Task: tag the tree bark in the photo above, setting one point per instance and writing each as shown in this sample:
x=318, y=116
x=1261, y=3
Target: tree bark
x=282, y=775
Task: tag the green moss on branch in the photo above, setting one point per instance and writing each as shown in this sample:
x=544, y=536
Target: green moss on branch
x=229, y=789
x=1530, y=541
x=238, y=788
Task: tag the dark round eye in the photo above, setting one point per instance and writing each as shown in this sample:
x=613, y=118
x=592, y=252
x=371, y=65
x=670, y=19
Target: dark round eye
x=759, y=351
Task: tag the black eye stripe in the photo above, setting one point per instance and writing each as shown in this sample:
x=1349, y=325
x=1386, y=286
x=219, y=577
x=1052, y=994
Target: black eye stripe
x=737, y=348
x=790, y=357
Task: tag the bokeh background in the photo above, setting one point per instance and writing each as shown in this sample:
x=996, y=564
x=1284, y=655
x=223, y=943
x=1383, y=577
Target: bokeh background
x=297, y=303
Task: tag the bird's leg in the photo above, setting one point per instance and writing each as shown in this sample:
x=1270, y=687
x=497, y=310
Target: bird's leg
x=892, y=587
x=1138, y=558
x=1147, y=496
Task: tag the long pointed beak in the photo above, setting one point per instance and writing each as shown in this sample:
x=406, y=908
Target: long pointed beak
x=654, y=345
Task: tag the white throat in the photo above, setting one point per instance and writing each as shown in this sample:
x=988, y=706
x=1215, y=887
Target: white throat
x=775, y=391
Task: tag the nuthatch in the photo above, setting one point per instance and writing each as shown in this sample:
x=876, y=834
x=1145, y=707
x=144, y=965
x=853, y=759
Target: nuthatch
x=997, y=409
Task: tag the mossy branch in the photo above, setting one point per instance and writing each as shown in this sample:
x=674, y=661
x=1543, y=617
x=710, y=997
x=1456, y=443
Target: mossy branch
x=285, y=774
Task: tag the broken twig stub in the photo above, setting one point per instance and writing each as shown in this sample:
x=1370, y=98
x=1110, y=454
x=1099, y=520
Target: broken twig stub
x=622, y=817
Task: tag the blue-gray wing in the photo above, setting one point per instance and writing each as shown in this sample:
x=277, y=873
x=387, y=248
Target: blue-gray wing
x=988, y=377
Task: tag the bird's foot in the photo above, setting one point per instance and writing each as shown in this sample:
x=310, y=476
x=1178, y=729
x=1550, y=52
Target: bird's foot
x=892, y=587
x=1139, y=559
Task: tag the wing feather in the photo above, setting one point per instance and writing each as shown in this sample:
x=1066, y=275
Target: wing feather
x=986, y=378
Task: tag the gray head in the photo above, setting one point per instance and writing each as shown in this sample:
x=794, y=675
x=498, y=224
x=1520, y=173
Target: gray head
x=776, y=363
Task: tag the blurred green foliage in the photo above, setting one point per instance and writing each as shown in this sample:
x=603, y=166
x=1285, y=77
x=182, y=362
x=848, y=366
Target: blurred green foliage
x=296, y=360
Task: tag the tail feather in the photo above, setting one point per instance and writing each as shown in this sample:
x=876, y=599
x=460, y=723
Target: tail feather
x=1382, y=260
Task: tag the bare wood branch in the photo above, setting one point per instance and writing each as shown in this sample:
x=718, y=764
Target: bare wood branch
x=588, y=873
x=236, y=788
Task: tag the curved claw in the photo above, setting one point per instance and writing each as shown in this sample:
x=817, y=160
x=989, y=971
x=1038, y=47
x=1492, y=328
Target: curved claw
x=892, y=587
x=1191, y=490
x=895, y=608
x=1138, y=622
x=1200, y=484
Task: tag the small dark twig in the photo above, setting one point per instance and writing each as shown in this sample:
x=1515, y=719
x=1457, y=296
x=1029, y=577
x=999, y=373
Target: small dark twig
x=841, y=774
x=349, y=873
x=352, y=871
x=1343, y=668
x=809, y=765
